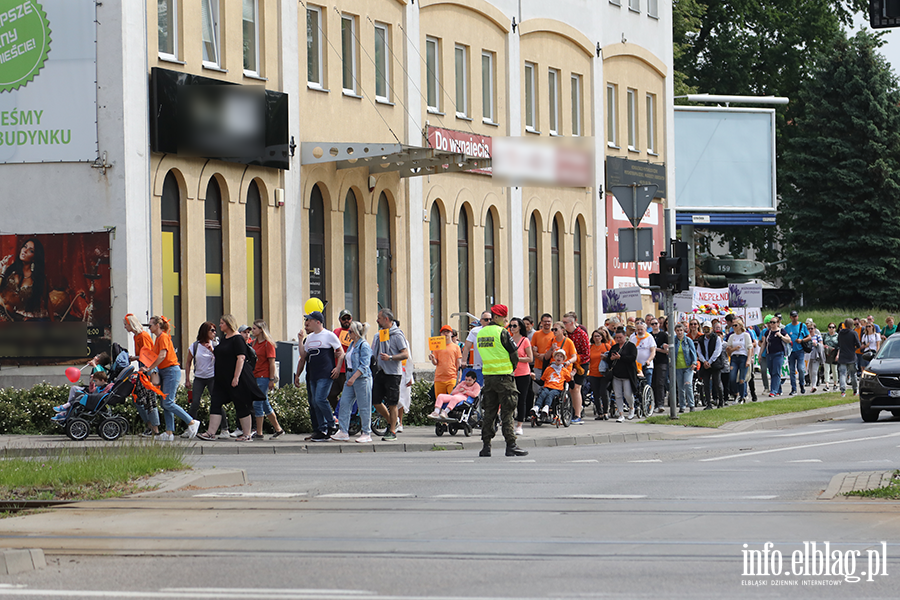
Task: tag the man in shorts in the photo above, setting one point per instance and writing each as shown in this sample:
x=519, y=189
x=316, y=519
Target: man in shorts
x=579, y=337
x=389, y=355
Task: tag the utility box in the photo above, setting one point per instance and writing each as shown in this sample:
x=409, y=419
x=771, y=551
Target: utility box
x=287, y=355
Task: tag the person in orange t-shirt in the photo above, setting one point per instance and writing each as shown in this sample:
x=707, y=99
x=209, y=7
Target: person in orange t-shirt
x=541, y=340
x=446, y=362
x=601, y=342
x=142, y=340
x=169, y=378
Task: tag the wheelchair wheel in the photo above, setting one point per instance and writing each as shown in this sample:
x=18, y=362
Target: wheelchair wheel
x=355, y=425
x=647, y=401
x=77, y=429
x=565, y=412
x=110, y=429
x=453, y=428
x=467, y=429
x=439, y=429
x=379, y=424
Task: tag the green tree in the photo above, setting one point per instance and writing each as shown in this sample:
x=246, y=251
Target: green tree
x=841, y=168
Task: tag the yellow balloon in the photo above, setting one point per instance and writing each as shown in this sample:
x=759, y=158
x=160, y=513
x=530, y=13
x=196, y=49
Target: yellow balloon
x=313, y=304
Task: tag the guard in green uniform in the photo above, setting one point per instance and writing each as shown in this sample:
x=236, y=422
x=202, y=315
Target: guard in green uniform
x=498, y=355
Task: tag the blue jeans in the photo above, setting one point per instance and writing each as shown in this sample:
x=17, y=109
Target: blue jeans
x=684, y=387
x=150, y=418
x=361, y=393
x=169, y=378
x=774, y=361
x=795, y=361
x=738, y=373
x=319, y=409
x=546, y=398
x=261, y=408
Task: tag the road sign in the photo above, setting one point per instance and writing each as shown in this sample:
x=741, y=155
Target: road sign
x=645, y=245
x=634, y=200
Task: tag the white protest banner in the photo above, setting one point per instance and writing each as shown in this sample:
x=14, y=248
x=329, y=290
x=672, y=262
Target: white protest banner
x=753, y=317
x=744, y=294
x=684, y=302
x=621, y=300
x=702, y=295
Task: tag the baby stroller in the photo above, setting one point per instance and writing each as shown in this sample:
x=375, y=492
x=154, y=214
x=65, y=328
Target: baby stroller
x=94, y=410
x=560, y=411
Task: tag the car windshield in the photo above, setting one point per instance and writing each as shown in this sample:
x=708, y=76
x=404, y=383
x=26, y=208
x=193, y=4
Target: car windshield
x=890, y=348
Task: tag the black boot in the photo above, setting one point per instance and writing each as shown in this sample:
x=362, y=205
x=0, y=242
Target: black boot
x=513, y=450
x=486, y=450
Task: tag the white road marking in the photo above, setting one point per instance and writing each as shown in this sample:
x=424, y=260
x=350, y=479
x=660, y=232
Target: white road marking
x=527, y=460
x=604, y=497
x=808, y=432
x=227, y=593
x=725, y=435
x=771, y=450
x=759, y=497
x=364, y=496
x=806, y=460
x=471, y=460
x=250, y=495
x=587, y=460
x=273, y=591
x=649, y=460
x=464, y=496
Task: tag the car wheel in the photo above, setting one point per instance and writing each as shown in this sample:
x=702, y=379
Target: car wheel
x=869, y=415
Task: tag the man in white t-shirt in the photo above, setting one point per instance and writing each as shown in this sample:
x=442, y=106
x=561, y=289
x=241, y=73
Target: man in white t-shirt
x=320, y=353
x=470, y=345
x=646, y=348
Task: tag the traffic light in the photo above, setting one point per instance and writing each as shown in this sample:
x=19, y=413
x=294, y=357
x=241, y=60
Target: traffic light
x=673, y=270
x=683, y=282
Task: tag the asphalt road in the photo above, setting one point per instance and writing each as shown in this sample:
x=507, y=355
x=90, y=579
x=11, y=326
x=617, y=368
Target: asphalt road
x=661, y=519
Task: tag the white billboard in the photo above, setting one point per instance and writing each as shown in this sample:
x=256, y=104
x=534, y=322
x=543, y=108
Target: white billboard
x=48, y=81
x=724, y=159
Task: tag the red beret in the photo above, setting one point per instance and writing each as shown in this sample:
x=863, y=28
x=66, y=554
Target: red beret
x=500, y=310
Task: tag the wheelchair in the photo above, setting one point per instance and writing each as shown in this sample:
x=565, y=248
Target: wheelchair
x=560, y=411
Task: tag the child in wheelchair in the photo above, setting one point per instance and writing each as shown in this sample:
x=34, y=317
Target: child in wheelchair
x=464, y=390
x=554, y=377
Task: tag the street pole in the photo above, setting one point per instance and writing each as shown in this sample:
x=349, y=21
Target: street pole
x=670, y=320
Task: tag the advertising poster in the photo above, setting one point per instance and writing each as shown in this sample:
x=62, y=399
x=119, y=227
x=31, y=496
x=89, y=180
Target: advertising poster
x=744, y=294
x=619, y=274
x=54, y=297
x=619, y=300
x=48, y=81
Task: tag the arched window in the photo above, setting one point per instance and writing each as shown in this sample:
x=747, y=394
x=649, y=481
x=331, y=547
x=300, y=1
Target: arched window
x=578, y=287
x=316, y=244
x=171, y=253
x=383, y=260
x=533, y=268
x=463, y=260
x=554, y=267
x=434, y=251
x=215, y=306
x=351, y=254
x=253, y=213
x=489, y=291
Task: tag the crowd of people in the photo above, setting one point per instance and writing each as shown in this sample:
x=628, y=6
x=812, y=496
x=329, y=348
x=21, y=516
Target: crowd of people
x=518, y=366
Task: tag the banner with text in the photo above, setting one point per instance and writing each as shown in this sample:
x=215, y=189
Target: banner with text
x=623, y=299
x=744, y=294
x=470, y=144
x=619, y=274
x=48, y=75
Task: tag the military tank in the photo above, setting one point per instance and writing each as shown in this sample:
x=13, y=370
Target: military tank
x=720, y=270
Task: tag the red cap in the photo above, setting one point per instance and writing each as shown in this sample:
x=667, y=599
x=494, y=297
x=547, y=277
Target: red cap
x=446, y=328
x=500, y=310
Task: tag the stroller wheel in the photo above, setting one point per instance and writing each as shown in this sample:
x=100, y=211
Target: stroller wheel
x=439, y=429
x=110, y=429
x=453, y=428
x=77, y=429
x=123, y=422
x=467, y=430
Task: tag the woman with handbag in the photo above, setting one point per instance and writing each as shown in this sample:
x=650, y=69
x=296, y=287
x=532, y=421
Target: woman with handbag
x=871, y=342
x=830, y=346
x=816, y=357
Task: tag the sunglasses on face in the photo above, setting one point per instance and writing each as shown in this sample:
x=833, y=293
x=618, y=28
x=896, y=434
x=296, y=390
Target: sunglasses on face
x=554, y=329
x=513, y=326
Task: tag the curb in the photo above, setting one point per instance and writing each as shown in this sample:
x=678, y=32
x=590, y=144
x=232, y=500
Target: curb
x=204, y=478
x=790, y=419
x=13, y=560
x=858, y=481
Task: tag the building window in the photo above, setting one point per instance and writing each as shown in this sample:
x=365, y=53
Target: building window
x=653, y=8
x=209, y=22
x=489, y=288
x=316, y=244
x=171, y=252
x=576, y=105
x=461, y=54
x=348, y=53
x=383, y=255
x=632, y=119
x=253, y=214
x=351, y=254
x=634, y=5
x=616, y=2
x=315, y=73
x=215, y=306
x=167, y=25
x=432, y=73
x=554, y=267
x=251, y=36
x=651, y=123
x=611, y=138
x=463, y=260
x=435, y=226
x=382, y=64
x=530, y=108
x=553, y=89
x=579, y=291
x=487, y=87
x=533, y=267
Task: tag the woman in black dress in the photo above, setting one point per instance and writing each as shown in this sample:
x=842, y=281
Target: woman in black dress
x=234, y=382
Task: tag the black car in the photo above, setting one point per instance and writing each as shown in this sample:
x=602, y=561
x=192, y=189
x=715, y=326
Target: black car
x=879, y=388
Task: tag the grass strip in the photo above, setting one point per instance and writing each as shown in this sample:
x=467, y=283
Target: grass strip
x=753, y=410
x=100, y=472
x=889, y=492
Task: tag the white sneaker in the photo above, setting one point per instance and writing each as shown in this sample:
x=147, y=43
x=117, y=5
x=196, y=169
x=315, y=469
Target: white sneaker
x=630, y=415
x=621, y=419
x=165, y=437
x=435, y=415
x=236, y=433
x=399, y=429
x=519, y=430
x=340, y=436
x=364, y=439
x=546, y=410
x=444, y=415
x=224, y=435
x=535, y=409
x=186, y=433
x=192, y=429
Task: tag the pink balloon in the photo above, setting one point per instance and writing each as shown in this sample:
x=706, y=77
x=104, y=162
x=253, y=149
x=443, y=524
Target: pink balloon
x=73, y=374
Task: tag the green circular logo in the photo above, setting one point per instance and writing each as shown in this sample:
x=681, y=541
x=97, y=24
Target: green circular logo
x=24, y=42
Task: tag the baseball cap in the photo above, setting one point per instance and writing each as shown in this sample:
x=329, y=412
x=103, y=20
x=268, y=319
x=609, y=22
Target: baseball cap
x=559, y=351
x=446, y=328
x=317, y=315
x=345, y=313
x=767, y=319
x=243, y=328
x=794, y=313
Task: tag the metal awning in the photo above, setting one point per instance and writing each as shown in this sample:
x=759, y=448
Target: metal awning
x=408, y=161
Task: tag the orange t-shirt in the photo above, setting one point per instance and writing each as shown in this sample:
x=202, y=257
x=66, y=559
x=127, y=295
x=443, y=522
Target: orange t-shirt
x=554, y=380
x=164, y=342
x=597, y=352
x=141, y=340
x=447, y=361
x=568, y=346
x=541, y=342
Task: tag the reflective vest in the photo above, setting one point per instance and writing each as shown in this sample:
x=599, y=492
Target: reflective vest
x=494, y=357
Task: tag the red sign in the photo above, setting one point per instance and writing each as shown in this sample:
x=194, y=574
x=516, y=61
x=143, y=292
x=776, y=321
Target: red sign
x=460, y=142
x=619, y=274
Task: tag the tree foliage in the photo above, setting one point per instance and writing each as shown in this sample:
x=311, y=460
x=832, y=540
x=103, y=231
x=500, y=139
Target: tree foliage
x=841, y=170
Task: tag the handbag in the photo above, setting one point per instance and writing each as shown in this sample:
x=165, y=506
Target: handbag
x=830, y=355
x=868, y=354
x=807, y=346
